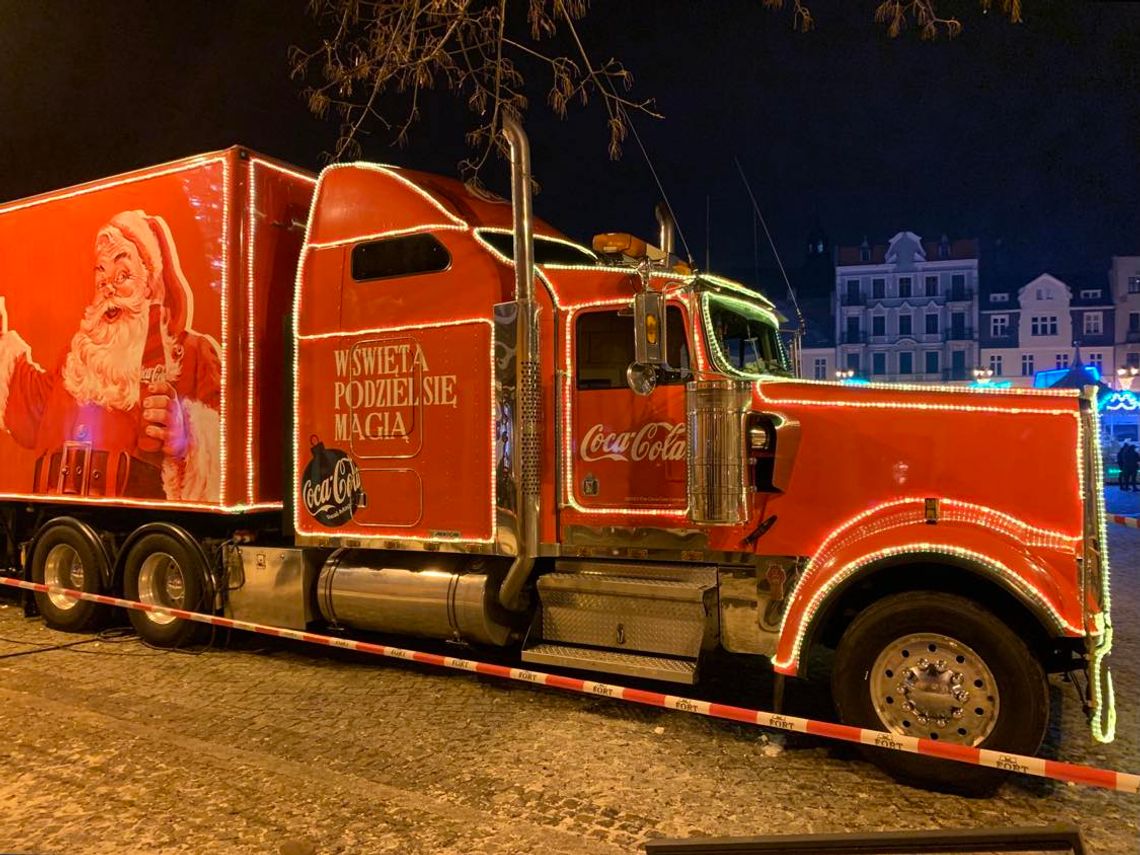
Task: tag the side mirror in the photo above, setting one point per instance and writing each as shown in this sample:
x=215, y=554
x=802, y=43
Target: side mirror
x=641, y=378
x=649, y=328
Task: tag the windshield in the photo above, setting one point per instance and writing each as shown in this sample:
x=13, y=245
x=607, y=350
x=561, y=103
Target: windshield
x=745, y=340
x=546, y=250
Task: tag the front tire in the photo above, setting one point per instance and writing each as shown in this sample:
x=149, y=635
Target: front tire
x=65, y=556
x=940, y=666
x=162, y=570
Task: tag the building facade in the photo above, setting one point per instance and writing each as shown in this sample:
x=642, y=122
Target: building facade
x=1124, y=283
x=1044, y=325
x=907, y=310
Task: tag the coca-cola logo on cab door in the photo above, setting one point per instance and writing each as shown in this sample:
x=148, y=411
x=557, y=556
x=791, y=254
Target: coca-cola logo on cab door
x=330, y=486
x=652, y=441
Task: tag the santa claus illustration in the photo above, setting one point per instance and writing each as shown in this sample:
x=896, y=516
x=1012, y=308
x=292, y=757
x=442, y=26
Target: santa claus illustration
x=132, y=408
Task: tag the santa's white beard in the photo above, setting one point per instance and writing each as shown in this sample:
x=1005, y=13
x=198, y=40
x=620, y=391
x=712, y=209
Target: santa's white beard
x=104, y=365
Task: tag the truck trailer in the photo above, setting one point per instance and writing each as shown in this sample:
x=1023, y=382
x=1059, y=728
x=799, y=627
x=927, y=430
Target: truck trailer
x=380, y=400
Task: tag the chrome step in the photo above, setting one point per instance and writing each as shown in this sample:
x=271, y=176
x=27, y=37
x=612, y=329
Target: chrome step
x=658, y=617
x=612, y=662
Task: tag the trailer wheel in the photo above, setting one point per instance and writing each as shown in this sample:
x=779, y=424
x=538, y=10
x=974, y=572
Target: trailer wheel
x=66, y=556
x=161, y=570
x=939, y=666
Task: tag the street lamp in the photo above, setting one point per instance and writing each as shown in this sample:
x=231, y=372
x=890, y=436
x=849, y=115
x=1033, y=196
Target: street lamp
x=982, y=376
x=844, y=374
x=1126, y=375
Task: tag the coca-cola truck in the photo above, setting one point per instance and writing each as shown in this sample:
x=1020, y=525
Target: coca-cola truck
x=382, y=401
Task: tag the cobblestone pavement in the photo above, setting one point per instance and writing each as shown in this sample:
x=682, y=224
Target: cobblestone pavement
x=267, y=747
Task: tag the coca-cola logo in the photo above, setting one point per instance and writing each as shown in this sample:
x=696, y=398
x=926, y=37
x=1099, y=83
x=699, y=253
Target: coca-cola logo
x=331, y=487
x=653, y=441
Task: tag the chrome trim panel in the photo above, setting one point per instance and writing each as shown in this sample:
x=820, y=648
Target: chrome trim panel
x=271, y=585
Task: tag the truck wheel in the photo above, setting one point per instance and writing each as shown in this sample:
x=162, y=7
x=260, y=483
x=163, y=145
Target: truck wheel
x=65, y=556
x=161, y=570
x=939, y=666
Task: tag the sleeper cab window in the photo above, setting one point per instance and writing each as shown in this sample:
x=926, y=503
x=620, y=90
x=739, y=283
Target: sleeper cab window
x=604, y=349
x=406, y=255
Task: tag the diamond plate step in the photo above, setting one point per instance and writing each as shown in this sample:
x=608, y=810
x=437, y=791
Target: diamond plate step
x=612, y=662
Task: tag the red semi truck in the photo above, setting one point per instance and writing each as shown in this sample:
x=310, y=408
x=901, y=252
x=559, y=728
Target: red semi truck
x=379, y=401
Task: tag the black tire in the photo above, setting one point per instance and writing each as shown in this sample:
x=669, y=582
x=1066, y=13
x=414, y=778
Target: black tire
x=65, y=555
x=162, y=570
x=976, y=649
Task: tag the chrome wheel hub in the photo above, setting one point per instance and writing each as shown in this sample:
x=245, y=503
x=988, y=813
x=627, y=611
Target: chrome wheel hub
x=934, y=686
x=64, y=569
x=161, y=583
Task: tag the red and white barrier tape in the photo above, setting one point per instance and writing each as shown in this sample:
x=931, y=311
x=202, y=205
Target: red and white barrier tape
x=1131, y=522
x=1088, y=775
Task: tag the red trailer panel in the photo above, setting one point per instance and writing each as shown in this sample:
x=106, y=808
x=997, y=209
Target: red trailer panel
x=135, y=309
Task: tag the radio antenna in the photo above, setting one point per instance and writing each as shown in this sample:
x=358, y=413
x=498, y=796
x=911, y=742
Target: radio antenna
x=772, y=244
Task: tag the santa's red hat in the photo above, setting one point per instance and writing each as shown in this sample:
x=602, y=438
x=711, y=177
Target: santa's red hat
x=151, y=236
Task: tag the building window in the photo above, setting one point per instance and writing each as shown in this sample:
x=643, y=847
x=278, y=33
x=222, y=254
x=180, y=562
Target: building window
x=1027, y=365
x=1047, y=324
x=958, y=281
x=864, y=253
x=904, y=287
x=995, y=364
x=999, y=298
x=878, y=325
x=906, y=362
x=853, y=362
x=853, y=286
x=905, y=325
x=931, y=286
x=1134, y=284
x=1090, y=294
x=1134, y=321
x=821, y=368
x=878, y=288
x=931, y=323
x=1044, y=293
x=999, y=325
x=944, y=250
x=1062, y=360
x=1096, y=360
x=878, y=363
x=1132, y=360
x=1092, y=323
x=932, y=362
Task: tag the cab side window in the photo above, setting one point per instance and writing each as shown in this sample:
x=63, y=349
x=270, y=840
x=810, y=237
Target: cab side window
x=406, y=255
x=604, y=349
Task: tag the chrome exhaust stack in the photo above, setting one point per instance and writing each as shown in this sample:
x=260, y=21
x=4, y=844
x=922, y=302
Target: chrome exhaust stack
x=528, y=437
x=667, y=227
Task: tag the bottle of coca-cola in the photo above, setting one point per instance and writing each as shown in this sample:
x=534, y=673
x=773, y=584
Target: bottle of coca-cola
x=153, y=371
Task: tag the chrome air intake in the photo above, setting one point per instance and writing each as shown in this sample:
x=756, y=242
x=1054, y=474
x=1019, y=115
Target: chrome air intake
x=718, y=457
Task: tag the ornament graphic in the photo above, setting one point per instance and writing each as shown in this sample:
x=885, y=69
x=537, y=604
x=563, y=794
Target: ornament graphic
x=330, y=486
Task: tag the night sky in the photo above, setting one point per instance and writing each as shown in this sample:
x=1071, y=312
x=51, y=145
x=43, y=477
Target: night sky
x=1025, y=135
